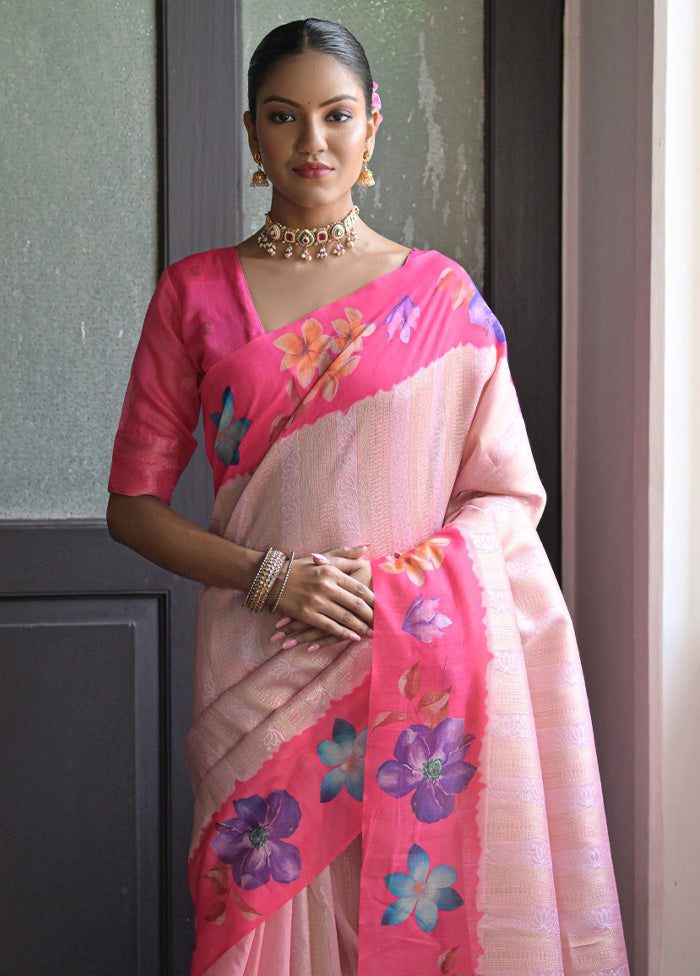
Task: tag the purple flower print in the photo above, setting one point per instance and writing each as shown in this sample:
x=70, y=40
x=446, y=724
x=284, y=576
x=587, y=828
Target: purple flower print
x=427, y=893
x=402, y=318
x=481, y=314
x=252, y=841
x=431, y=763
x=346, y=753
x=423, y=621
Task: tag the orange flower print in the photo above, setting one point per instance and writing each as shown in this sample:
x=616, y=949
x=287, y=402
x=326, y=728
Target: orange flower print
x=303, y=352
x=432, y=551
x=327, y=383
x=335, y=371
x=350, y=331
x=419, y=561
x=462, y=289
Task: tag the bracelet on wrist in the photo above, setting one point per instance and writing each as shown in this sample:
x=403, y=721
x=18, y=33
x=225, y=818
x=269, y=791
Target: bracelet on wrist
x=264, y=580
x=284, y=581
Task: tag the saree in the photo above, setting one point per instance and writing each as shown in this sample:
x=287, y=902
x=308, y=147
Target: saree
x=426, y=801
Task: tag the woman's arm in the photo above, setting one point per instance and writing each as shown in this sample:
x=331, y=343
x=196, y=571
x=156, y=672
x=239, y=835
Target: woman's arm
x=154, y=530
x=323, y=596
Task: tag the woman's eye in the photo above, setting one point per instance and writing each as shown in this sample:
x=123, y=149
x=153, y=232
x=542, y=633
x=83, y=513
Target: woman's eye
x=340, y=116
x=281, y=117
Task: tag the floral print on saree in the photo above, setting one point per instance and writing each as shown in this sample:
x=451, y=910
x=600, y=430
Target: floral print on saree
x=458, y=744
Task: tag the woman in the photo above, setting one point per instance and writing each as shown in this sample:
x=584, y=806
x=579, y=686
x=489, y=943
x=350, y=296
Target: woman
x=394, y=770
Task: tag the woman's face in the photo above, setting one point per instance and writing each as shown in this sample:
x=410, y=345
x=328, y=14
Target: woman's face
x=311, y=128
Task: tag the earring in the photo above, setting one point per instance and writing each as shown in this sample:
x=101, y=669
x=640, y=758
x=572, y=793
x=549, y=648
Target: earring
x=366, y=177
x=259, y=176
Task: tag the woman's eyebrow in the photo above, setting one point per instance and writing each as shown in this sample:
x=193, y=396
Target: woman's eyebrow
x=288, y=101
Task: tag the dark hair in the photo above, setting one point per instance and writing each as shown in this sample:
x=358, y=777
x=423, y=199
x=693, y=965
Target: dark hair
x=298, y=36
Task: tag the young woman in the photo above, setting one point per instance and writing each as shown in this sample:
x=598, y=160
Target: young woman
x=394, y=769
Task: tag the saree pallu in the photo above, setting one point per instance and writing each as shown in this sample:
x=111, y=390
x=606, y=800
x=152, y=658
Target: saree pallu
x=457, y=743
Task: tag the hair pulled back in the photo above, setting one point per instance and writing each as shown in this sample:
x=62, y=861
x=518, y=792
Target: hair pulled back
x=298, y=36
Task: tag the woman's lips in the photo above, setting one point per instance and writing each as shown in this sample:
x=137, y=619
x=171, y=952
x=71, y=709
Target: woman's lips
x=312, y=171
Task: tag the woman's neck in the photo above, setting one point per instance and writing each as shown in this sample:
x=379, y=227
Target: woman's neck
x=283, y=211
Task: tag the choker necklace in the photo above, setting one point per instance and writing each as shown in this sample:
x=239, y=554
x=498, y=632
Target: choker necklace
x=340, y=234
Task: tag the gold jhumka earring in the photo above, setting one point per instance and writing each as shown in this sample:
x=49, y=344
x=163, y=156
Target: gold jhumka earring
x=259, y=176
x=366, y=177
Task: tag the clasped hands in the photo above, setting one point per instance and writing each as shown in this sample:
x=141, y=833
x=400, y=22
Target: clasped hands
x=328, y=598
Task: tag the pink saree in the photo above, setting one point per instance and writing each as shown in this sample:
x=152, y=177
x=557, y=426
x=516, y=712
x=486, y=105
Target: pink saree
x=427, y=802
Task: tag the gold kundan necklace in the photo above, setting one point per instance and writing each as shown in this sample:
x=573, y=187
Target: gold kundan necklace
x=340, y=235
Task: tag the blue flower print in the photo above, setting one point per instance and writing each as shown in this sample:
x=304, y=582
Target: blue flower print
x=427, y=893
x=481, y=314
x=402, y=318
x=230, y=432
x=346, y=753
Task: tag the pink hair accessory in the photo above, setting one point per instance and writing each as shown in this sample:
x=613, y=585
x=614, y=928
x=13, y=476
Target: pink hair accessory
x=376, y=103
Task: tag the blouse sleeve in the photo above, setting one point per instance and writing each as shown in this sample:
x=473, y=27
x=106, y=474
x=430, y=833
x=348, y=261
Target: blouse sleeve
x=155, y=439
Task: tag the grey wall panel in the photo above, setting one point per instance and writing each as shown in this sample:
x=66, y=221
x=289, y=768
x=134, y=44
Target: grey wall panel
x=78, y=236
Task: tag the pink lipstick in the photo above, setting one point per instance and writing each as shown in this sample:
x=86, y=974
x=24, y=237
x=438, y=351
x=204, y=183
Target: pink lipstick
x=312, y=171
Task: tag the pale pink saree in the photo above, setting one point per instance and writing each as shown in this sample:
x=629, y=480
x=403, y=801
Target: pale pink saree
x=427, y=802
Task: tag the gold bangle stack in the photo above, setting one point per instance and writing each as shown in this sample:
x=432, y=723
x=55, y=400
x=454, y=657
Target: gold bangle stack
x=284, y=581
x=268, y=571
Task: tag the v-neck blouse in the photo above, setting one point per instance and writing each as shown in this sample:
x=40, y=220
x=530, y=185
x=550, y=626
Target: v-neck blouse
x=201, y=312
x=346, y=299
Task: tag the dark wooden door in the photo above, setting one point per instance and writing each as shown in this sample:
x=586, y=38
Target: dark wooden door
x=96, y=644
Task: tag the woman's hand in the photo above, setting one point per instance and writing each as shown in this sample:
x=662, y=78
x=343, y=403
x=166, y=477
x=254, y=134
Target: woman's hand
x=328, y=598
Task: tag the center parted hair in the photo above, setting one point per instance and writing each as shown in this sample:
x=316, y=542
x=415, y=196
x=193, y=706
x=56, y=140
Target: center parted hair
x=298, y=36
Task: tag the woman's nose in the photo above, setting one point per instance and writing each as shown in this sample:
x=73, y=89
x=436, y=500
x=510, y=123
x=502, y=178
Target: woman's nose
x=312, y=137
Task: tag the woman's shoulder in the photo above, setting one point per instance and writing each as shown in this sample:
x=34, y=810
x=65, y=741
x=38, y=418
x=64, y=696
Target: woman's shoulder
x=442, y=263
x=217, y=264
x=212, y=307
x=430, y=260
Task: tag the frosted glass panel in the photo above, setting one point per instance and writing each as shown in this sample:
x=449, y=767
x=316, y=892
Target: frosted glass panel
x=427, y=58
x=79, y=242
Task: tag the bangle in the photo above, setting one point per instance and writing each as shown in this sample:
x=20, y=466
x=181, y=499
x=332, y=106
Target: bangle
x=268, y=571
x=284, y=582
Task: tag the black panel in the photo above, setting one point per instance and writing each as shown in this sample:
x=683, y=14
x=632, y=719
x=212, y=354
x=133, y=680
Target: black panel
x=79, y=820
x=202, y=112
x=524, y=62
x=204, y=115
x=95, y=664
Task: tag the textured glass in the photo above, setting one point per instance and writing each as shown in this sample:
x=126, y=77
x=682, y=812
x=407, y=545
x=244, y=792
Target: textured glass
x=79, y=241
x=428, y=163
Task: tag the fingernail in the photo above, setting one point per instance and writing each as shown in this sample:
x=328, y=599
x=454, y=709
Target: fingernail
x=355, y=637
x=314, y=647
x=277, y=637
x=283, y=621
x=319, y=557
x=290, y=642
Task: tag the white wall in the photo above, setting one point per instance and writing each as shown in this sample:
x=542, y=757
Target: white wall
x=631, y=443
x=606, y=273
x=675, y=514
